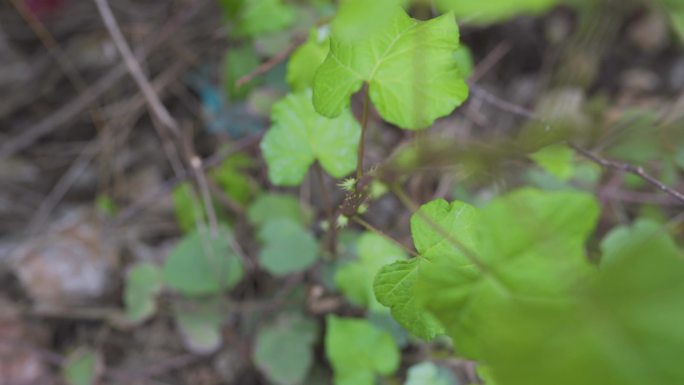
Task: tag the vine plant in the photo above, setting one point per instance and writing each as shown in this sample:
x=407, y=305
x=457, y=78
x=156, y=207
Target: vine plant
x=510, y=283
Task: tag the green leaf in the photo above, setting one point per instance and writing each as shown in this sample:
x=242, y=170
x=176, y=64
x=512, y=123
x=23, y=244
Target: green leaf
x=143, y=284
x=677, y=19
x=187, y=209
x=394, y=288
x=199, y=324
x=272, y=206
x=625, y=241
x=106, y=205
x=485, y=12
x=395, y=285
x=306, y=59
x=299, y=136
x=675, y=9
x=485, y=375
x=409, y=65
x=356, y=19
x=238, y=62
x=231, y=177
x=355, y=279
x=624, y=328
x=283, y=350
x=257, y=17
x=358, y=351
x=288, y=248
x=427, y=373
x=556, y=160
x=464, y=61
x=81, y=367
x=203, y=263
x=527, y=246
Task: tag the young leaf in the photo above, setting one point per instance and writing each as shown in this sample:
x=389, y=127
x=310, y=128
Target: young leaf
x=556, y=160
x=271, y=206
x=306, y=59
x=288, y=248
x=283, y=350
x=143, y=284
x=203, y=263
x=358, y=351
x=355, y=279
x=624, y=328
x=300, y=136
x=409, y=65
x=230, y=175
x=527, y=246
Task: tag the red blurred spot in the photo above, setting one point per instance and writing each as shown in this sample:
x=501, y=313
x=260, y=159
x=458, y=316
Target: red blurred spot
x=42, y=8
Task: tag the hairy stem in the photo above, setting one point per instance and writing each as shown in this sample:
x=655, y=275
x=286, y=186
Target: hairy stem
x=362, y=140
x=330, y=211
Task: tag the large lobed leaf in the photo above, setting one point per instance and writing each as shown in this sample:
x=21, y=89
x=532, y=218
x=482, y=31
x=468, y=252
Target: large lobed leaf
x=410, y=68
x=625, y=328
x=523, y=248
x=474, y=264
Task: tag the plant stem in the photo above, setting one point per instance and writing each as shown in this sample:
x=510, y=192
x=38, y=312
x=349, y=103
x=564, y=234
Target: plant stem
x=364, y=126
x=373, y=229
x=330, y=212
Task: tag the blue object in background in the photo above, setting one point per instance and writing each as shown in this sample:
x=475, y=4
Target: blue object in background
x=220, y=116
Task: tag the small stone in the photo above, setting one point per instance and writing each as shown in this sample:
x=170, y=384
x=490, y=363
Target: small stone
x=71, y=265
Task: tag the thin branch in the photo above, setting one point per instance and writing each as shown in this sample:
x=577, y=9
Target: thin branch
x=31, y=133
x=501, y=104
x=146, y=202
x=492, y=58
x=377, y=231
x=269, y=64
x=605, y=163
x=631, y=169
x=134, y=69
